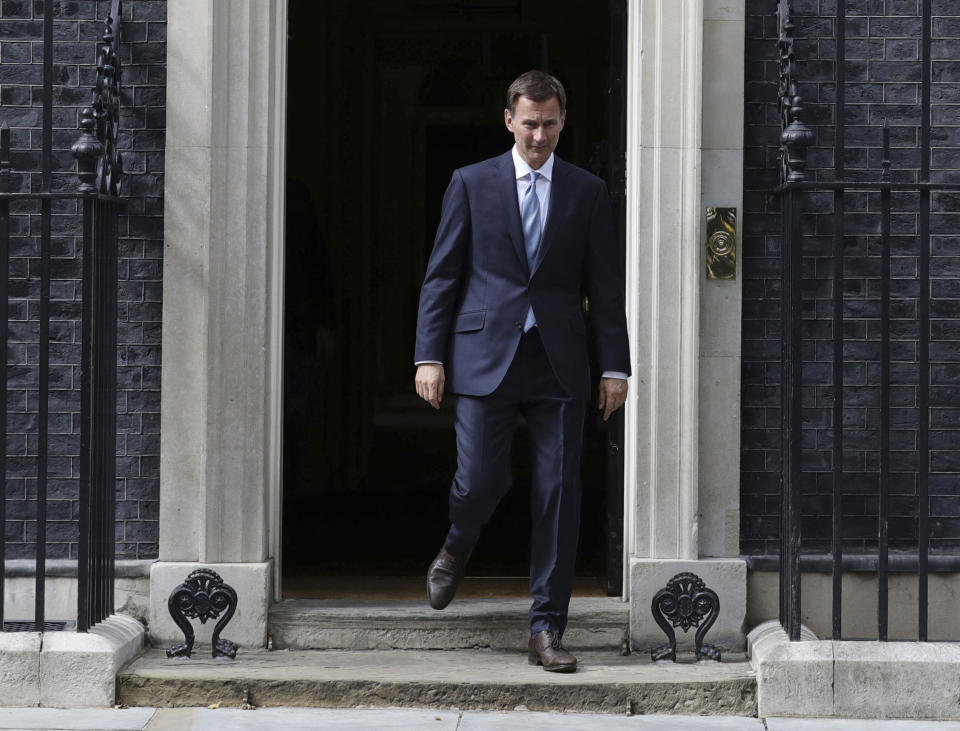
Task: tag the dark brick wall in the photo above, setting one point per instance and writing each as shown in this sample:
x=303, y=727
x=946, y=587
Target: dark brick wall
x=883, y=74
x=77, y=27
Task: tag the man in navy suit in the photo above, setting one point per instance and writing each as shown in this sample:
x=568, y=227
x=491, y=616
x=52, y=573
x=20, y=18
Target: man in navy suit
x=522, y=238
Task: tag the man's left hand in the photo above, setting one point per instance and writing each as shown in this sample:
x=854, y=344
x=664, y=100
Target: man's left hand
x=612, y=394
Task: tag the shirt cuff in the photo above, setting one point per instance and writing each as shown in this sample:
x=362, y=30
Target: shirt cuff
x=428, y=362
x=614, y=374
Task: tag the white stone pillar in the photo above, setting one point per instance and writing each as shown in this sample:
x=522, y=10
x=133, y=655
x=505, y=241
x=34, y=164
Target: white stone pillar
x=222, y=304
x=678, y=52
x=721, y=184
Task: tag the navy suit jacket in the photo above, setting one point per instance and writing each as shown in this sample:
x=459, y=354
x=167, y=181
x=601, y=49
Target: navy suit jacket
x=478, y=285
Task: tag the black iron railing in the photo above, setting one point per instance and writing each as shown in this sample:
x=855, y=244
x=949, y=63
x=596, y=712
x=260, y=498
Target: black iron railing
x=795, y=139
x=97, y=199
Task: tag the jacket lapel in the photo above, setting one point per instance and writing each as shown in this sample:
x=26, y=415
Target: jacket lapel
x=506, y=182
x=559, y=197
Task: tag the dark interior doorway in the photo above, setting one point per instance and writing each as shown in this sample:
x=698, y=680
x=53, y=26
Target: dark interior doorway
x=386, y=99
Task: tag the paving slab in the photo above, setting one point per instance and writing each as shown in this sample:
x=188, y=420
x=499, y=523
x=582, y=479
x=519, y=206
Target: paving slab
x=76, y=719
x=835, y=724
x=478, y=721
x=419, y=719
x=302, y=719
x=356, y=624
x=461, y=679
x=308, y=719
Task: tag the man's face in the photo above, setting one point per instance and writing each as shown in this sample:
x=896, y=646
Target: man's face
x=536, y=128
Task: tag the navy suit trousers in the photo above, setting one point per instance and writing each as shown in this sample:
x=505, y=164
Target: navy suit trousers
x=485, y=427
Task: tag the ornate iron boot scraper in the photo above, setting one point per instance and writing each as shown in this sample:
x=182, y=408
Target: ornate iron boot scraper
x=685, y=602
x=202, y=596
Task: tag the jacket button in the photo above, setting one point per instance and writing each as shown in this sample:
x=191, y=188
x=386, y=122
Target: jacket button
x=519, y=325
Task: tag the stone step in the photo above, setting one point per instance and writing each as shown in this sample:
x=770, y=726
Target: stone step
x=595, y=623
x=606, y=682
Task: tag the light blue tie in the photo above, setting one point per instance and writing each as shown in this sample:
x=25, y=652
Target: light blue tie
x=530, y=215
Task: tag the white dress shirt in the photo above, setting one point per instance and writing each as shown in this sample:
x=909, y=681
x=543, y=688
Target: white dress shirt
x=544, y=183
x=523, y=171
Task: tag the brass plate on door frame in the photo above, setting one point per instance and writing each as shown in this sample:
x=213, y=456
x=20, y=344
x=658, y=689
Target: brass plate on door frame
x=721, y=247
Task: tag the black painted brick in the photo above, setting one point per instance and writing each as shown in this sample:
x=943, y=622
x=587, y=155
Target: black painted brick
x=882, y=84
x=77, y=28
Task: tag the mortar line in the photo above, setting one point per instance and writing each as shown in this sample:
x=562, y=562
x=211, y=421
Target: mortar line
x=459, y=720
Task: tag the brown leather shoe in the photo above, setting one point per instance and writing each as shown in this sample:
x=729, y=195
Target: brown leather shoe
x=443, y=577
x=545, y=649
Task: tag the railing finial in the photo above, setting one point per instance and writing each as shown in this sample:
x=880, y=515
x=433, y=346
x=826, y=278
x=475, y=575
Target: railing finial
x=88, y=151
x=100, y=164
x=795, y=136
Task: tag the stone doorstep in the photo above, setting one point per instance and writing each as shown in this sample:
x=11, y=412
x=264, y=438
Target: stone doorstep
x=596, y=623
x=854, y=679
x=463, y=679
x=67, y=669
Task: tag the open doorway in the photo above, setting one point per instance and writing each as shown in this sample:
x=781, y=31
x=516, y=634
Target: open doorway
x=385, y=100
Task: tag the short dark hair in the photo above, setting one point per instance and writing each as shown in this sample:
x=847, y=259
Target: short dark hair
x=538, y=86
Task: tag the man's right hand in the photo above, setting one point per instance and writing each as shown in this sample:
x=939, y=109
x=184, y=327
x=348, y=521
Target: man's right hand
x=430, y=379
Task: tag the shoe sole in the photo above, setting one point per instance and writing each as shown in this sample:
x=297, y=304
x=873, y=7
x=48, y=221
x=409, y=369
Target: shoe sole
x=567, y=668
